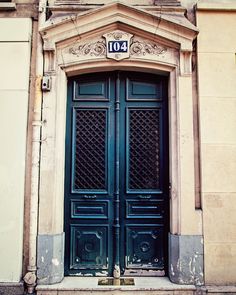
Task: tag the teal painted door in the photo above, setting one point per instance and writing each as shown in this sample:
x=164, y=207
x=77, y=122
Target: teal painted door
x=116, y=175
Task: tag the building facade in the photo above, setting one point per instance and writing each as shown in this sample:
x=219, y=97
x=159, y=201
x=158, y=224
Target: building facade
x=119, y=157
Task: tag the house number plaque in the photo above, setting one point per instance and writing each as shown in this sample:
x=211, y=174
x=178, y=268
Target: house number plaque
x=118, y=44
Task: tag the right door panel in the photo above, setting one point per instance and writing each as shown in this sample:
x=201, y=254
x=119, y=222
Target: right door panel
x=144, y=174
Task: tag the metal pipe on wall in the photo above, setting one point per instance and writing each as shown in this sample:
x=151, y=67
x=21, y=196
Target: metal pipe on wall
x=31, y=277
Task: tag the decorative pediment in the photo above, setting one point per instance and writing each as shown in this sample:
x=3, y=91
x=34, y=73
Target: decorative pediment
x=120, y=32
x=173, y=28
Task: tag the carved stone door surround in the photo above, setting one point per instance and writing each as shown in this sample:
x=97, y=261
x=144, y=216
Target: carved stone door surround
x=74, y=44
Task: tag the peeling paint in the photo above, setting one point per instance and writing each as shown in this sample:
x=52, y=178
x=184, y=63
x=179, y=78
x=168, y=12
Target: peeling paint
x=42, y=259
x=101, y=274
x=172, y=270
x=78, y=274
x=179, y=267
x=55, y=261
x=186, y=265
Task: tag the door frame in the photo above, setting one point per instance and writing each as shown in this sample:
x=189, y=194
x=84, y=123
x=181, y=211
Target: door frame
x=59, y=64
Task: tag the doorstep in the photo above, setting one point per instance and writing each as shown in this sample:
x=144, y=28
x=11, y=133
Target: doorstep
x=89, y=285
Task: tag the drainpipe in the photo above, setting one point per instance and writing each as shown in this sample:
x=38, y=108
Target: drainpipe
x=31, y=277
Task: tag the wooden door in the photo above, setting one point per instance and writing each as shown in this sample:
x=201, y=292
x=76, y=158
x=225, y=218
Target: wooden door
x=116, y=175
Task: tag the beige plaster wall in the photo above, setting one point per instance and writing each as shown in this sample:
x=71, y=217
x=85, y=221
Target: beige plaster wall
x=15, y=35
x=217, y=90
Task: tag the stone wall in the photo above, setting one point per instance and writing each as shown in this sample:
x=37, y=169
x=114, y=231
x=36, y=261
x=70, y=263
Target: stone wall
x=217, y=90
x=15, y=50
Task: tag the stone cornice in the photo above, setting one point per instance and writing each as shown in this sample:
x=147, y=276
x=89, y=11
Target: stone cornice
x=148, y=11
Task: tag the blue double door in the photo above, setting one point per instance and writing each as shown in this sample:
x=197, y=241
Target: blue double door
x=116, y=175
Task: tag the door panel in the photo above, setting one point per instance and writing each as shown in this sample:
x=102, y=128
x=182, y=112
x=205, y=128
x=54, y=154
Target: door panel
x=143, y=141
x=90, y=149
x=116, y=179
x=143, y=247
x=89, y=247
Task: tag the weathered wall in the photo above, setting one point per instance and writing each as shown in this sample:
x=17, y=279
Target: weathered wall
x=15, y=48
x=217, y=90
x=19, y=8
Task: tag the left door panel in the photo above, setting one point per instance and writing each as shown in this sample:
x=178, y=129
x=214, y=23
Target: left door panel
x=89, y=174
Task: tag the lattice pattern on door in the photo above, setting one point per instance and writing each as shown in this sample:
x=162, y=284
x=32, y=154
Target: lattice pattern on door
x=144, y=142
x=90, y=149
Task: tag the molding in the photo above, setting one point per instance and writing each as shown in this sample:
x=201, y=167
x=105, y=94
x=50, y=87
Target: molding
x=216, y=5
x=6, y=6
x=76, y=8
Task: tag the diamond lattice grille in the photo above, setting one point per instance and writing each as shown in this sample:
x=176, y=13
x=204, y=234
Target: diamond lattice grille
x=144, y=149
x=90, y=149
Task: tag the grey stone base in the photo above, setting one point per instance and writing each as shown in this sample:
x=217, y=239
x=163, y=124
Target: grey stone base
x=11, y=288
x=186, y=259
x=50, y=259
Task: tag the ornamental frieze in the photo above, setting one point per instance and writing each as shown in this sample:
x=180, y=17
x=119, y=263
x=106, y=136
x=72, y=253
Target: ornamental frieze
x=118, y=45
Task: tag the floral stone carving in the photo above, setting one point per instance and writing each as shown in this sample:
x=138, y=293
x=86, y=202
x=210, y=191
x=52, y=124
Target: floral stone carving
x=142, y=48
x=97, y=48
x=137, y=48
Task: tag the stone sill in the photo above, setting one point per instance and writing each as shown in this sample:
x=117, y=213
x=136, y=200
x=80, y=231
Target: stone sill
x=5, y=6
x=91, y=284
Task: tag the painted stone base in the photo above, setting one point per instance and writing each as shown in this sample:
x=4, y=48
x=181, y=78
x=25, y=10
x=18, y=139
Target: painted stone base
x=11, y=288
x=186, y=259
x=50, y=263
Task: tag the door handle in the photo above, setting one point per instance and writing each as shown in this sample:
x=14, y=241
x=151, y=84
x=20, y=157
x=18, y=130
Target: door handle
x=144, y=196
x=88, y=197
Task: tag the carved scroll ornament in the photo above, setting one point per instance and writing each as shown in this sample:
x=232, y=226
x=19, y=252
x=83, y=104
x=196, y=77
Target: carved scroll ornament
x=142, y=48
x=137, y=48
x=97, y=48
